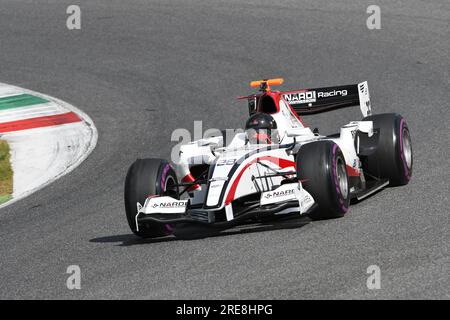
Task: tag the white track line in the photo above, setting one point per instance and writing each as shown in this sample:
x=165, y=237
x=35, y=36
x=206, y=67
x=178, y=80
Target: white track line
x=23, y=113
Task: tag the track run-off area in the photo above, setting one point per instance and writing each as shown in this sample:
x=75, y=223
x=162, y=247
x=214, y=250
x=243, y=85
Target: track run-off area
x=141, y=69
x=47, y=138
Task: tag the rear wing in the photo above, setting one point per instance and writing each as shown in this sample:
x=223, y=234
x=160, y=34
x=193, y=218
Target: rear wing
x=312, y=101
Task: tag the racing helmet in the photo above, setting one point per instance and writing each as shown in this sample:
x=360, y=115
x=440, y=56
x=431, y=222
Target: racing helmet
x=261, y=128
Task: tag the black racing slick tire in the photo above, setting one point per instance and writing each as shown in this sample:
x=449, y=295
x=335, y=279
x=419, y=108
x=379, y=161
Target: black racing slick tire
x=393, y=157
x=147, y=177
x=322, y=170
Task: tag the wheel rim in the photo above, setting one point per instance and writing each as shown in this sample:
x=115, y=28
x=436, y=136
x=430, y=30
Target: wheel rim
x=341, y=173
x=406, y=145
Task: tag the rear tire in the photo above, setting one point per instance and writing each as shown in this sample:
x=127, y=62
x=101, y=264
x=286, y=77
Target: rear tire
x=322, y=170
x=148, y=177
x=393, y=158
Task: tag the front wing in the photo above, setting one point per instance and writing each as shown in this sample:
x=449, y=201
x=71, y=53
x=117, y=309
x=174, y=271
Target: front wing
x=288, y=198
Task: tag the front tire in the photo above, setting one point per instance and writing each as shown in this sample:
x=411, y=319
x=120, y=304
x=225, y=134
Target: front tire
x=393, y=157
x=148, y=177
x=322, y=170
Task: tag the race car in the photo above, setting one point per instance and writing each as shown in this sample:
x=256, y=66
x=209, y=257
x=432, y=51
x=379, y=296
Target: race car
x=277, y=167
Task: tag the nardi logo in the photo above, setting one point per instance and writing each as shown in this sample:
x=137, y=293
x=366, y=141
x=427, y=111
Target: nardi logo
x=300, y=97
x=170, y=205
x=281, y=193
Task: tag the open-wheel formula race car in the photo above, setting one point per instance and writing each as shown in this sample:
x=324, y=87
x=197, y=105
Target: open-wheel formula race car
x=277, y=167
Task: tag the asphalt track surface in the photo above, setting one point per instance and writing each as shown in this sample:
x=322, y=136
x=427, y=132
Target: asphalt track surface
x=141, y=69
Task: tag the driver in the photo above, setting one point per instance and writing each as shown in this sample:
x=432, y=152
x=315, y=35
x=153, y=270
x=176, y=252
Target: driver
x=261, y=128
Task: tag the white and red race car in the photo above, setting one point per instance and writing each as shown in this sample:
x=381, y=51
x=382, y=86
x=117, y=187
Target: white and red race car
x=277, y=167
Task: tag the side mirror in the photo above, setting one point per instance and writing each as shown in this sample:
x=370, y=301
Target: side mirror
x=251, y=105
x=295, y=132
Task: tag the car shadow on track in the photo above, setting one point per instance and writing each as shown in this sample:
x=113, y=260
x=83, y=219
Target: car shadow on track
x=131, y=239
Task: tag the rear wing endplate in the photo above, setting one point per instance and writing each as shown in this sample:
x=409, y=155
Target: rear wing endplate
x=312, y=101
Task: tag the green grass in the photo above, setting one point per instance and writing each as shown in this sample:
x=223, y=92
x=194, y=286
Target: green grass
x=6, y=173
